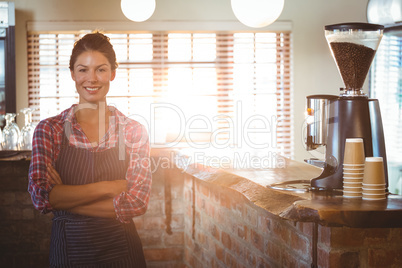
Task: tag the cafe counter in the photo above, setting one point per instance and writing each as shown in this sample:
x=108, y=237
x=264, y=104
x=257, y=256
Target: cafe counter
x=266, y=200
x=219, y=209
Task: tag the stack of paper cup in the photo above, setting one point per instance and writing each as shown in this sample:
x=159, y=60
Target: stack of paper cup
x=353, y=168
x=374, y=179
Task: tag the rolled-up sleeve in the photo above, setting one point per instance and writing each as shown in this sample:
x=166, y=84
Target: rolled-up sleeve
x=134, y=202
x=38, y=184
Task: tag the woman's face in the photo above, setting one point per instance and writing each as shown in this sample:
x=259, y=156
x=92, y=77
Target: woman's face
x=92, y=74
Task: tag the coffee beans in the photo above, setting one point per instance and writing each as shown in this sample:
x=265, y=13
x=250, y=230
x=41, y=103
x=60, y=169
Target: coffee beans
x=353, y=61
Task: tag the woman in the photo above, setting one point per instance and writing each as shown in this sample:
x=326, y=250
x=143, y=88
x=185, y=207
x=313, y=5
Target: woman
x=90, y=167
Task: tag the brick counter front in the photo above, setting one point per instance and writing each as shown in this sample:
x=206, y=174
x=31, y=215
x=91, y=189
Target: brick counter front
x=205, y=217
x=233, y=220
x=24, y=233
x=225, y=229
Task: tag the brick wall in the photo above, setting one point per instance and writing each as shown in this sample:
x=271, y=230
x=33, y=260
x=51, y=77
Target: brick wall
x=24, y=232
x=162, y=228
x=352, y=247
x=224, y=229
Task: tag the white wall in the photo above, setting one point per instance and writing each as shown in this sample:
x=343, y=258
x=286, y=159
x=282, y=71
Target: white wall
x=313, y=66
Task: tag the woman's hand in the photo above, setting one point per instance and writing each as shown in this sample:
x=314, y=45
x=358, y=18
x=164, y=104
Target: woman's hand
x=52, y=175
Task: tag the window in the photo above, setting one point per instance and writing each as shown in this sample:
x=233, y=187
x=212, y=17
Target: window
x=386, y=86
x=221, y=89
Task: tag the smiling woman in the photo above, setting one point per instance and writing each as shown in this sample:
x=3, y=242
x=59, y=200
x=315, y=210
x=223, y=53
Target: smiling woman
x=90, y=168
x=212, y=82
x=92, y=74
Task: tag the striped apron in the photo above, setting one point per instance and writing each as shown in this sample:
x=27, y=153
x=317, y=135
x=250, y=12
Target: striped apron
x=92, y=242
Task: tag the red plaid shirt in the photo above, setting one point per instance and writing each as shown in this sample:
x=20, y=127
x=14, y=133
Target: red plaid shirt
x=46, y=147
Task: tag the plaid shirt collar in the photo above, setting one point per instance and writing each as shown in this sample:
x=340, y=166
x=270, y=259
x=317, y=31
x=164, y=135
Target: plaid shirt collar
x=77, y=137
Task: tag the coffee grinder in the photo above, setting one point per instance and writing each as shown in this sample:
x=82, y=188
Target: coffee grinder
x=331, y=119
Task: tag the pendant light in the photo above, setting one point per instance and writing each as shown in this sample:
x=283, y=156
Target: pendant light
x=257, y=13
x=138, y=10
x=386, y=12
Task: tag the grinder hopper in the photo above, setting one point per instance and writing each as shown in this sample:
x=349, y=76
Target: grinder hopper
x=353, y=46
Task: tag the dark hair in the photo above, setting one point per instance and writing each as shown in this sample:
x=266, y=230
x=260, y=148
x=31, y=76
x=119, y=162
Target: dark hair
x=94, y=42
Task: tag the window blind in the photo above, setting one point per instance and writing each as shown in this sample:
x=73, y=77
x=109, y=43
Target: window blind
x=386, y=86
x=224, y=89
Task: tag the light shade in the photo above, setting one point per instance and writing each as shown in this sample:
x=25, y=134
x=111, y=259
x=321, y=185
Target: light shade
x=257, y=13
x=384, y=11
x=138, y=10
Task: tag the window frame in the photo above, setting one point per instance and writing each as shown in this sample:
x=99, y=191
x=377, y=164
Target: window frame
x=227, y=27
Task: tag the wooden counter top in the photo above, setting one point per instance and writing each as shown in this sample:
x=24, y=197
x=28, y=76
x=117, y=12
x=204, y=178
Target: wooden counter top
x=6, y=155
x=328, y=208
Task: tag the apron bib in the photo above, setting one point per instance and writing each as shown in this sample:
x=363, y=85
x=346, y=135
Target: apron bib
x=92, y=242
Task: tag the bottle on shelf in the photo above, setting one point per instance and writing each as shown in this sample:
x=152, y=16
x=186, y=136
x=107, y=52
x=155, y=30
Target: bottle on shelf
x=11, y=133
